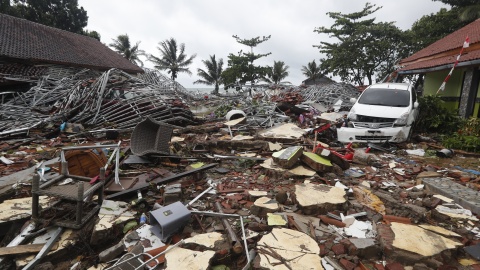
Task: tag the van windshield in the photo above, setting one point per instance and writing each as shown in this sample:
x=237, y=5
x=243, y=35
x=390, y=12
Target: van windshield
x=385, y=97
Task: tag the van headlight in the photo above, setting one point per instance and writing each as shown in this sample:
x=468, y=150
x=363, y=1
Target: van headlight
x=402, y=121
x=352, y=116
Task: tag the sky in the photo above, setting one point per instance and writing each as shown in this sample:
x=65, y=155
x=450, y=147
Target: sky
x=206, y=27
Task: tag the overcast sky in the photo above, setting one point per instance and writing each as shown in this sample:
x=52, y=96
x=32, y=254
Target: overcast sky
x=206, y=27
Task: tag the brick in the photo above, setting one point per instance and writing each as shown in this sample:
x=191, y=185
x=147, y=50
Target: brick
x=391, y=218
x=332, y=221
x=323, y=250
x=339, y=249
x=348, y=265
x=394, y=266
x=385, y=237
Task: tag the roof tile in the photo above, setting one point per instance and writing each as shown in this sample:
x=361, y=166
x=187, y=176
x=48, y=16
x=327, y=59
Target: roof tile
x=432, y=55
x=28, y=40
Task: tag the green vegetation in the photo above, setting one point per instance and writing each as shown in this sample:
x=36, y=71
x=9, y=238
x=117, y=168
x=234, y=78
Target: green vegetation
x=122, y=45
x=62, y=14
x=277, y=73
x=466, y=138
x=365, y=49
x=456, y=133
x=312, y=71
x=212, y=75
x=241, y=68
x=435, y=118
x=172, y=58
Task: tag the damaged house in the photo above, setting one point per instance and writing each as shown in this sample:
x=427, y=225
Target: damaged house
x=434, y=63
x=49, y=76
x=29, y=50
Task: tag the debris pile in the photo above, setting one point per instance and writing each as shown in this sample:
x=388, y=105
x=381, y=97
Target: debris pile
x=113, y=99
x=262, y=188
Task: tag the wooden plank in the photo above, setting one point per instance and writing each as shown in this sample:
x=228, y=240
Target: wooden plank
x=21, y=249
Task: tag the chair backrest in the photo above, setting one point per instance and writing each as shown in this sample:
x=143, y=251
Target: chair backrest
x=151, y=137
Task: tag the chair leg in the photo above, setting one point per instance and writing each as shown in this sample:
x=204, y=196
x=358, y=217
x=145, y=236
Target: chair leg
x=35, y=197
x=79, y=204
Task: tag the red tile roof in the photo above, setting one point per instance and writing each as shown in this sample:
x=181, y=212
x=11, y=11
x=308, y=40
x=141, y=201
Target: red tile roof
x=446, y=50
x=22, y=39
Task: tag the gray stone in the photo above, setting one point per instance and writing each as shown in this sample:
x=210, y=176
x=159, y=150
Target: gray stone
x=112, y=252
x=173, y=193
x=464, y=196
x=365, y=248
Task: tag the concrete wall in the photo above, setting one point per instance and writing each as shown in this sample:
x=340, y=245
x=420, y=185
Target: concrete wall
x=453, y=88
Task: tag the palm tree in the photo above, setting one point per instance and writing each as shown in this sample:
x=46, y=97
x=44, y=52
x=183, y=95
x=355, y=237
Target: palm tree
x=312, y=71
x=212, y=75
x=173, y=58
x=122, y=45
x=277, y=73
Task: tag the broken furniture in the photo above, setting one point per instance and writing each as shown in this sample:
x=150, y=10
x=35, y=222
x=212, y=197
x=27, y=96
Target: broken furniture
x=170, y=219
x=151, y=137
x=76, y=189
x=85, y=162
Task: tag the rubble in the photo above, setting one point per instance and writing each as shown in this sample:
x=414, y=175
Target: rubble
x=266, y=187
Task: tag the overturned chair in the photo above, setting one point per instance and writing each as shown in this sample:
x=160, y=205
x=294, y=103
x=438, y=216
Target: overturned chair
x=76, y=204
x=151, y=137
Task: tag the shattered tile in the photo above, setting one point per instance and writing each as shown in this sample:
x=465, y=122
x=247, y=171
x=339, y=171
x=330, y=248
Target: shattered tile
x=407, y=238
x=319, y=198
x=291, y=247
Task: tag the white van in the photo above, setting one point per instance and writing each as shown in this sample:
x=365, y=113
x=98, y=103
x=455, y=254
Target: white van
x=383, y=112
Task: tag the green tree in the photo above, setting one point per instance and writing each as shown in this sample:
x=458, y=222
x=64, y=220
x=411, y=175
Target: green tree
x=212, y=75
x=122, y=45
x=93, y=34
x=468, y=10
x=312, y=71
x=62, y=14
x=277, y=73
x=365, y=49
x=241, y=67
x=432, y=27
x=172, y=58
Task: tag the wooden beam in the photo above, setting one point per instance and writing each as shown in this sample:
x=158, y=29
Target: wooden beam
x=21, y=249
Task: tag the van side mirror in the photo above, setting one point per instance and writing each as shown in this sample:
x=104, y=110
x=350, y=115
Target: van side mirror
x=415, y=105
x=353, y=100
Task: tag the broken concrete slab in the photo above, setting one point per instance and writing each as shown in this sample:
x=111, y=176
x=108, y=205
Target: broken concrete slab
x=407, y=238
x=316, y=162
x=439, y=230
x=211, y=241
x=288, y=249
x=111, y=213
x=256, y=194
x=264, y=205
x=276, y=220
x=20, y=208
x=464, y=196
x=185, y=259
x=456, y=212
x=299, y=170
x=319, y=198
x=285, y=131
x=287, y=158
